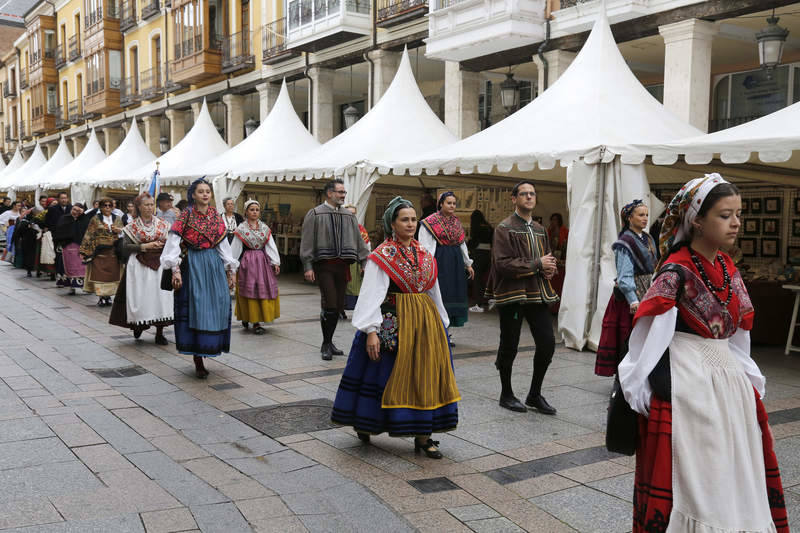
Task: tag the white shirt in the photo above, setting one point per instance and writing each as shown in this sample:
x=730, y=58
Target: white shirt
x=367, y=314
x=271, y=249
x=428, y=241
x=171, y=255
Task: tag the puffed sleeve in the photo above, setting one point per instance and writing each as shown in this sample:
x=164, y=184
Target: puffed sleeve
x=171, y=254
x=224, y=251
x=649, y=339
x=436, y=296
x=465, y=254
x=236, y=247
x=740, y=346
x=272, y=251
x=367, y=314
x=427, y=240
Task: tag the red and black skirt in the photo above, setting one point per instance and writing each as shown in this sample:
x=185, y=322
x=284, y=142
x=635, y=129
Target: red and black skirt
x=617, y=326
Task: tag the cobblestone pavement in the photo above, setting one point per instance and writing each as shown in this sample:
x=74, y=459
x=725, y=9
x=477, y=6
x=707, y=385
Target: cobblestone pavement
x=100, y=432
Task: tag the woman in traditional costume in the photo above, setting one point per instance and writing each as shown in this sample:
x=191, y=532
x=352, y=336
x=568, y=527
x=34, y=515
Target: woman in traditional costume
x=443, y=236
x=636, y=255
x=259, y=265
x=705, y=460
x=199, y=255
x=103, y=268
x=68, y=236
x=140, y=302
x=26, y=242
x=399, y=375
x=354, y=284
x=45, y=250
x=232, y=219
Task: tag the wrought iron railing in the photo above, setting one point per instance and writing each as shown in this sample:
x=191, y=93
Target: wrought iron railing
x=150, y=8
x=74, y=47
x=74, y=111
x=237, y=51
x=94, y=17
x=128, y=19
x=215, y=42
x=572, y=3
x=61, y=59
x=150, y=84
x=129, y=91
x=273, y=39
x=392, y=8
x=61, y=120
x=9, y=90
x=23, y=80
x=23, y=134
x=49, y=53
x=11, y=135
x=35, y=57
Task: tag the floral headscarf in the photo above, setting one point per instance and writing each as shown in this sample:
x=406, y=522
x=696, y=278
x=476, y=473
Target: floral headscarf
x=628, y=210
x=683, y=209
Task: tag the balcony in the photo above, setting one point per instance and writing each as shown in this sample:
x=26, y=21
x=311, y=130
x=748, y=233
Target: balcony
x=24, y=134
x=129, y=91
x=23, y=81
x=150, y=9
x=393, y=12
x=150, y=84
x=128, y=19
x=43, y=120
x=101, y=97
x=318, y=24
x=11, y=135
x=195, y=62
x=74, y=47
x=273, y=43
x=237, y=52
x=103, y=28
x=9, y=91
x=61, y=59
x=74, y=115
x=573, y=16
x=61, y=118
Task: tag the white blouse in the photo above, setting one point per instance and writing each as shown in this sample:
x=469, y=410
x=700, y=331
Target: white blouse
x=650, y=337
x=171, y=254
x=271, y=249
x=367, y=314
x=428, y=241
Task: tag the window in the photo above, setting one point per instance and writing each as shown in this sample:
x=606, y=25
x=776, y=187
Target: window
x=485, y=106
x=188, y=29
x=527, y=92
x=95, y=73
x=52, y=98
x=114, y=68
x=744, y=96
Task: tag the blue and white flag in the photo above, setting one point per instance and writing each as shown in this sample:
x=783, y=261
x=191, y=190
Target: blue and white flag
x=155, y=185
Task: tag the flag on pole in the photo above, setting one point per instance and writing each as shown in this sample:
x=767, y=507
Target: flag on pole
x=155, y=186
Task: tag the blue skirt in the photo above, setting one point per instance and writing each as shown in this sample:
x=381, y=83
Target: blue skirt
x=358, y=400
x=453, y=284
x=203, y=306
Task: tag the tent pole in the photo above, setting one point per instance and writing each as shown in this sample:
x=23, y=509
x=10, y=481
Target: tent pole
x=598, y=238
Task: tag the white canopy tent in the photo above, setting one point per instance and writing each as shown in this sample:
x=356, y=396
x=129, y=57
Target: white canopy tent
x=16, y=162
x=35, y=180
x=31, y=166
x=588, y=120
x=114, y=172
x=280, y=136
x=200, y=145
x=400, y=126
x=67, y=177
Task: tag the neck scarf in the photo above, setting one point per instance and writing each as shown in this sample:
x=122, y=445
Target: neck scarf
x=256, y=238
x=141, y=233
x=200, y=230
x=446, y=229
x=412, y=267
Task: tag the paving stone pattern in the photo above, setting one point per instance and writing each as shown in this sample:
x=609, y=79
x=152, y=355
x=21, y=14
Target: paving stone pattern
x=100, y=432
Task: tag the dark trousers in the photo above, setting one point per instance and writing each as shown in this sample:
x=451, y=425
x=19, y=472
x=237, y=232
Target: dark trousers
x=332, y=280
x=540, y=322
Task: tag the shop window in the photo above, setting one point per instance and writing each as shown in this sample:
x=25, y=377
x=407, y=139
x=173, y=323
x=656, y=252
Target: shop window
x=744, y=96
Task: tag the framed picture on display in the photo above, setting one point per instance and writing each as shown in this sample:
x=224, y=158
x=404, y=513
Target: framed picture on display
x=745, y=206
x=772, y=205
x=796, y=227
x=755, y=206
x=769, y=247
x=752, y=226
x=797, y=206
x=793, y=255
x=771, y=226
x=748, y=247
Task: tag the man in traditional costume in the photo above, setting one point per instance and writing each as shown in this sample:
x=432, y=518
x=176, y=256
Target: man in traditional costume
x=54, y=215
x=519, y=282
x=330, y=242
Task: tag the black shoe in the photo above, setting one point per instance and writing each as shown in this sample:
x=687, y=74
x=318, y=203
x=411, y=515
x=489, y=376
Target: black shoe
x=512, y=404
x=29, y=274
x=161, y=340
x=38, y=274
x=137, y=333
x=363, y=437
x=258, y=330
x=325, y=352
x=450, y=341
x=540, y=404
x=335, y=350
x=343, y=315
x=71, y=292
x=245, y=325
x=429, y=447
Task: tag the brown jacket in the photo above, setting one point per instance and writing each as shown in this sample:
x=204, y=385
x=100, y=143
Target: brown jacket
x=516, y=274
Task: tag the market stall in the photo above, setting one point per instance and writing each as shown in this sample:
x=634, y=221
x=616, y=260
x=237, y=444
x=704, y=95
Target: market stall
x=66, y=178
x=35, y=181
x=34, y=163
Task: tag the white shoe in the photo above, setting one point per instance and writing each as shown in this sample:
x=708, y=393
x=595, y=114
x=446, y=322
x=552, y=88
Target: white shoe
x=491, y=304
x=476, y=309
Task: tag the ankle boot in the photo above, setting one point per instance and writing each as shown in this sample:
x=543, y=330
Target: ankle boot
x=333, y=320
x=507, y=398
x=325, y=350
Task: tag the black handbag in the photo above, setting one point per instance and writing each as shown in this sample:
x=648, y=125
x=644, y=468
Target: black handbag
x=622, y=423
x=166, y=279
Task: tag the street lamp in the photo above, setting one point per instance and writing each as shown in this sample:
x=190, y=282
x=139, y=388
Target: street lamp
x=770, y=44
x=509, y=93
x=351, y=116
x=250, y=126
x=163, y=144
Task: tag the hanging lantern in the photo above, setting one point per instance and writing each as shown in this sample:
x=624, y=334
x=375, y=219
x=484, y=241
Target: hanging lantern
x=770, y=44
x=250, y=126
x=509, y=93
x=351, y=116
x=163, y=144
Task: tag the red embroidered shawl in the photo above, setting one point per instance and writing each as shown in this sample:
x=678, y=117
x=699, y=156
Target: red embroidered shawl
x=199, y=230
x=364, y=234
x=447, y=230
x=398, y=263
x=698, y=307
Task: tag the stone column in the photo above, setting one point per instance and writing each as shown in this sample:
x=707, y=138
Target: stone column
x=177, y=125
x=385, y=67
x=234, y=103
x=113, y=136
x=196, y=107
x=461, y=92
x=152, y=134
x=557, y=63
x=50, y=149
x=267, y=95
x=78, y=142
x=687, y=69
x=322, y=103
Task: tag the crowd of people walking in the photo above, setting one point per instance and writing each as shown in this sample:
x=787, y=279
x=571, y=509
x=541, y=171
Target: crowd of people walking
x=675, y=332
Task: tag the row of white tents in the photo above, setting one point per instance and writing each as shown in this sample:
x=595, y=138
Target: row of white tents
x=596, y=120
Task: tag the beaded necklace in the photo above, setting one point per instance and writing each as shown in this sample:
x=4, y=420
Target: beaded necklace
x=415, y=263
x=726, y=278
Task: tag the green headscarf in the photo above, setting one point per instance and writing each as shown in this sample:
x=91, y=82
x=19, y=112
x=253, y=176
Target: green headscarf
x=398, y=202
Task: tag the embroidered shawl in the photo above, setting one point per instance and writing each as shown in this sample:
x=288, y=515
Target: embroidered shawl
x=698, y=307
x=199, y=230
x=98, y=237
x=397, y=261
x=139, y=233
x=644, y=256
x=447, y=230
x=255, y=239
x=364, y=234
